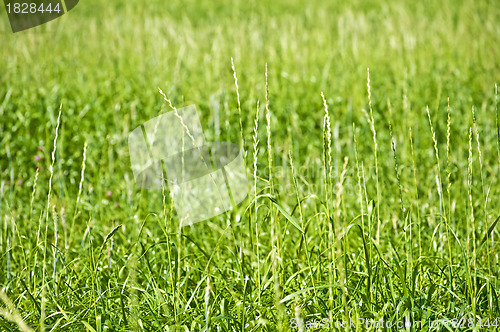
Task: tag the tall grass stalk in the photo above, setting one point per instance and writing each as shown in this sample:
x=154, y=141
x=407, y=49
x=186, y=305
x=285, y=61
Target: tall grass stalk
x=407, y=231
x=360, y=199
x=243, y=144
x=480, y=158
x=358, y=173
x=375, y=152
x=168, y=224
x=82, y=176
x=448, y=187
x=80, y=189
x=483, y=189
x=327, y=160
x=33, y=193
x=47, y=214
x=302, y=225
x=56, y=235
x=268, y=131
x=208, y=289
x=35, y=182
x=342, y=267
x=275, y=228
x=395, y=156
x=417, y=199
x=256, y=206
x=438, y=179
x=51, y=167
x=472, y=276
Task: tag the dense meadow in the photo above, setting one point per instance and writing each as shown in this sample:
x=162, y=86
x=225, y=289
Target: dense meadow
x=370, y=135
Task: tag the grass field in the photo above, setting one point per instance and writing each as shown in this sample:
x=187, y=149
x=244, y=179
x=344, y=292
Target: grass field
x=372, y=193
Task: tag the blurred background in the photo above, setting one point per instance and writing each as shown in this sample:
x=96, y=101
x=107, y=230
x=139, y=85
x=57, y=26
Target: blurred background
x=104, y=61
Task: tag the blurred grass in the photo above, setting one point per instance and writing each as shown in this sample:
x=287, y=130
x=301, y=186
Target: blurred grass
x=104, y=62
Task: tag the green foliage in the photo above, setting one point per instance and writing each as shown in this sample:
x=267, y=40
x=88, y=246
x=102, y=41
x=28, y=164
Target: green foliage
x=115, y=259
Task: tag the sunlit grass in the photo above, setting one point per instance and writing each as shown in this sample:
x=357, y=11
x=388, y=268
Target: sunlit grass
x=370, y=196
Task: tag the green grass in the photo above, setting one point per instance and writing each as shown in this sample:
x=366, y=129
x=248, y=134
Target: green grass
x=377, y=201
